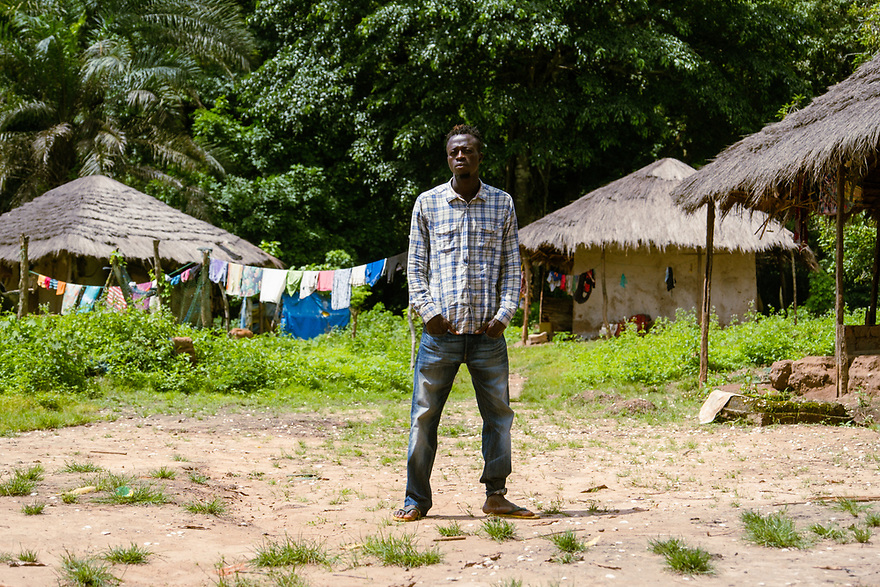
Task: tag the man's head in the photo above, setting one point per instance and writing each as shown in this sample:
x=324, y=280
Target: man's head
x=464, y=151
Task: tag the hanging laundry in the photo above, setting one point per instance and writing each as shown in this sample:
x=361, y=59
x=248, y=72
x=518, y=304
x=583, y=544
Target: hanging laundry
x=89, y=297
x=53, y=284
x=374, y=272
x=325, y=280
x=393, y=265
x=622, y=280
x=233, y=279
x=71, y=297
x=294, y=279
x=244, y=319
x=341, y=296
x=115, y=299
x=308, y=284
x=62, y=287
x=43, y=281
x=250, y=281
x=585, y=285
x=359, y=275
x=217, y=271
x=554, y=278
x=184, y=277
x=669, y=279
x=273, y=284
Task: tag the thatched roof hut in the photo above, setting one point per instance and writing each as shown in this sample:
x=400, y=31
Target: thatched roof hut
x=783, y=164
x=93, y=216
x=824, y=156
x=74, y=228
x=637, y=211
x=631, y=233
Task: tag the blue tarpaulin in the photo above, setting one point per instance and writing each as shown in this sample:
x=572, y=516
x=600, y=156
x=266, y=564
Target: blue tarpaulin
x=310, y=316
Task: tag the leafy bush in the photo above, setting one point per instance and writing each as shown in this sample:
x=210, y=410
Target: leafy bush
x=43, y=355
x=670, y=350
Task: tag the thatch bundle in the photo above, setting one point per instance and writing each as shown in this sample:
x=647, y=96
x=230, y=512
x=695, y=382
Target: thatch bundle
x=768, y=169
x=93, y=216
x=638, y=211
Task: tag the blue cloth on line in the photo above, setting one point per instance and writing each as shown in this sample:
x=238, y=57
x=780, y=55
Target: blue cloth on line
x=311, y=316
x=89, y=297
x=374, y=272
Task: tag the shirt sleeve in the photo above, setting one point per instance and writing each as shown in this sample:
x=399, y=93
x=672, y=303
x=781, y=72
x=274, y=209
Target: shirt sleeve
x=509, y=279
x=419, y=265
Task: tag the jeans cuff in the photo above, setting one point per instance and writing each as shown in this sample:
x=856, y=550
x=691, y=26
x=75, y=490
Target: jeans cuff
x=502, y=491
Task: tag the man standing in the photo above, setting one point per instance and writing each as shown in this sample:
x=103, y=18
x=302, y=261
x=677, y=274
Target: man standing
x=464, y=281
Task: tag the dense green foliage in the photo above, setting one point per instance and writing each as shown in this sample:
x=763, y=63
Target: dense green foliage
x=45, y=355
x=670, y=350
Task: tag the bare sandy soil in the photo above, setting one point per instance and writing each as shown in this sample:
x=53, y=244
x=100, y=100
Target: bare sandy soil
x=617, y=484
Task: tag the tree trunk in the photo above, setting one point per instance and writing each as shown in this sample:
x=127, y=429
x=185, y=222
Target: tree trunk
x=207, y=319
x=527, y=268
x=157, y=273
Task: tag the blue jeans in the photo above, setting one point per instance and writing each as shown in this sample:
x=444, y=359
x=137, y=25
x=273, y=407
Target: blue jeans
x=436, y=366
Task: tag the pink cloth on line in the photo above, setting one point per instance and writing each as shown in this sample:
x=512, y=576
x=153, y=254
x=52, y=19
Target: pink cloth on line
x=325, y=280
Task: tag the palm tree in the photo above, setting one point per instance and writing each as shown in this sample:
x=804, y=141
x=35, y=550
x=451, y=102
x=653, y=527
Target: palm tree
x=104, y=86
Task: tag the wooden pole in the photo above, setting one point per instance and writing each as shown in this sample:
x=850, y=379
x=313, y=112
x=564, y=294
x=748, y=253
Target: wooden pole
x=707, y=294
x=839, y=337
x=527, y=272
x=605, y=297
x=24, y=279
x=157, y=273
x=207, y=318
x=794, y=287
x=871, y=316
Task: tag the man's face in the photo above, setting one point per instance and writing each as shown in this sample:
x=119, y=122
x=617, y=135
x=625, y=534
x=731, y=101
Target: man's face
x=463, y=155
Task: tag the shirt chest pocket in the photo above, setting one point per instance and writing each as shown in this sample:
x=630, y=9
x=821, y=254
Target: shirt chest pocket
x=446, y=239
x=486, y=236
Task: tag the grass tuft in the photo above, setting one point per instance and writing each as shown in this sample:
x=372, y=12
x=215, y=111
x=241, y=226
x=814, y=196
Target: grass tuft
x=198, y=478
x=682, y=558
x=140, y=495
x=568, y=542
x=28, y=556
x=862, y=534
x=851, y=506
x=400, y=551
x=33, y=509
x=289, y=552
x=127, y=555
x=22, y=482
x=830, y=532
x=775, y=529
x=499, y=529
x=80, y=467
x=85, y=572
x=215, y=507
x=452, y=529
x=163, y=473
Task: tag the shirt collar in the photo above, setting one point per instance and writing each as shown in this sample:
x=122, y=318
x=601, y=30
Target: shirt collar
x=451, y=194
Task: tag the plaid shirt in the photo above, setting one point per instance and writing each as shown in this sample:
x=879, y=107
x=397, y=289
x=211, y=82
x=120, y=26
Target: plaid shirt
x=464, y=257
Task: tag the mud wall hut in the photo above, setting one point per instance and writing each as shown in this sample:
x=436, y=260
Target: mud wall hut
x=635, y=239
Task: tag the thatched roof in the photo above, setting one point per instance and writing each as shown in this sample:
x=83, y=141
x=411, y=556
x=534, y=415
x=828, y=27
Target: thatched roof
x=762, y=170
x=637, y=211
x=93, y=216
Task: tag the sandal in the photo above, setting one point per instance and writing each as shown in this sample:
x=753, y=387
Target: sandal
x=408, y=513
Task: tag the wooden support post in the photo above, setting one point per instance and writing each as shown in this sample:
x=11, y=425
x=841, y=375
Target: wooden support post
x=120, y=279
x=794, y=287
x=707, y=294
x=871, y=316
x=527, y=273
x=207, y=318
x=225, y=307
x=157, y=273
x=840, y=350
x=605, y=296
x=24, y=279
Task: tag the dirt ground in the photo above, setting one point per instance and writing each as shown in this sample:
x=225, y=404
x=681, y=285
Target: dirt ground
x=618, y=484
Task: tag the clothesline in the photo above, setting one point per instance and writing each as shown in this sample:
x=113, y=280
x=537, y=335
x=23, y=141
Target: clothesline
x=238, y=280
x=246, y=280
